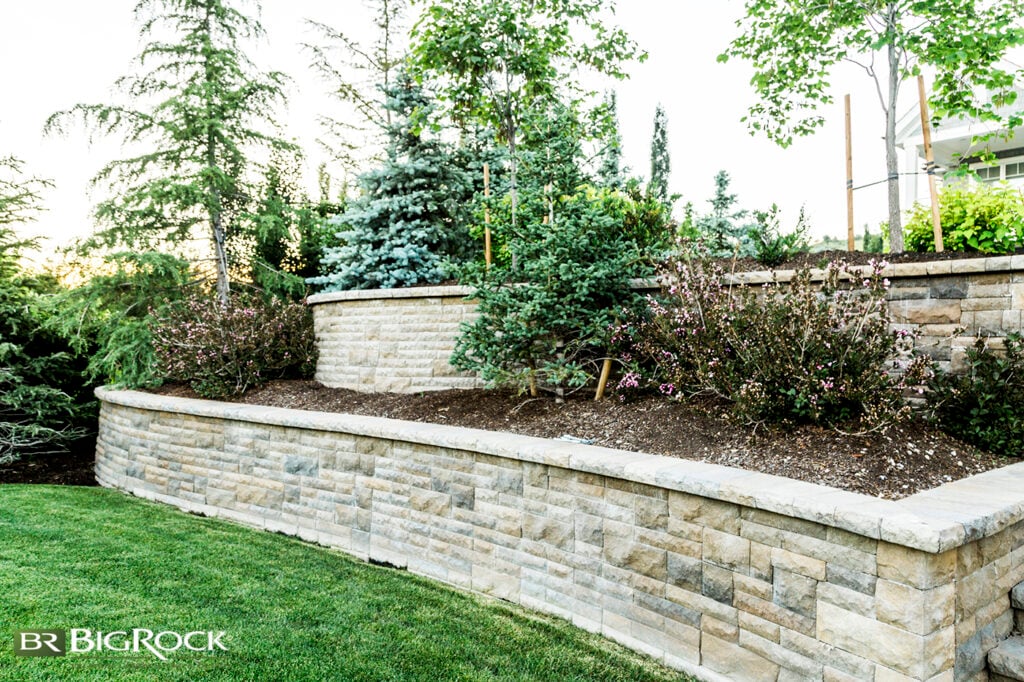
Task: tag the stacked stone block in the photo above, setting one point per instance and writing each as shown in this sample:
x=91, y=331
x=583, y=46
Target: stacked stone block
x=391, y=340
x=727, y=574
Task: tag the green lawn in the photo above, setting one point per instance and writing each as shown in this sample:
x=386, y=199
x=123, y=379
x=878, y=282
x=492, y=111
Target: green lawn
x=97, y=559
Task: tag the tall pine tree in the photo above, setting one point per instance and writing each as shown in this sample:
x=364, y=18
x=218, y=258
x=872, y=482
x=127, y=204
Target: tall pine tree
x=197, y=112
x=661, y=165
x=411, y=215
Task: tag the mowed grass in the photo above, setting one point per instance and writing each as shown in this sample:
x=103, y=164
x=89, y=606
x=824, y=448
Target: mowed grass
x=97, y=559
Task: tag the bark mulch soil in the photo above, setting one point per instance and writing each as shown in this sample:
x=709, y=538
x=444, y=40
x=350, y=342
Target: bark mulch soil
x=906, y=459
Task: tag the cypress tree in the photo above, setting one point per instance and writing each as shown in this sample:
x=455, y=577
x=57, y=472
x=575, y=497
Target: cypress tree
x=661, y=165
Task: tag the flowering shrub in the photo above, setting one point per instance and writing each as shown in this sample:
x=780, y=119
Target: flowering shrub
x=221, y=351
x=817, y=352
x=985, y=407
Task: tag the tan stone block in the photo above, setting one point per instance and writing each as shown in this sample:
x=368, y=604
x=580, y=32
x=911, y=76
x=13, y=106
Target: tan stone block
x=769, y=611
x=730, y=632
x=810, y=647
x=926, y=312
x=893, y=647
x=914, y=567
x=723, y=516
x=759, y=588
x=976, y=590
x=795, y=563
x=759, y=626
x=845, y=598
x=435, y=504
x=652, y=513
x=643, y=559
x=726, y=550
x=791, y=662
x=734, y=662
x=919, y=611
x=968, y=559
x=973, y=304
x=833, y=675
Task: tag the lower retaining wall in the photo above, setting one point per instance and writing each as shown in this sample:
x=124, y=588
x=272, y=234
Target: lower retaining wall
x=724, y=573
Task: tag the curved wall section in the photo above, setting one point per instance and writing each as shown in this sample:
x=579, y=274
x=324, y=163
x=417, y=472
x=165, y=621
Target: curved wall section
x=391, y=340
x=727, y=574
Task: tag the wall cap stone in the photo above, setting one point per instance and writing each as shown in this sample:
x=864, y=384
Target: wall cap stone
x=932, y=521
x=892, y=270
x=447, y=291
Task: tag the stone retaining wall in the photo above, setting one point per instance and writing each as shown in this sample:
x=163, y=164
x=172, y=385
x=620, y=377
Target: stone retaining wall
x=400, y=339
x=391, y=340
x=724, y=573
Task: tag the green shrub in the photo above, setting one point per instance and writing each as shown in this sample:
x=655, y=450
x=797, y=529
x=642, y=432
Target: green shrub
x=546, y=322
x=984, y=407
x=108, y=317
x=986, y=218
x=221, y=351
x=802, y=352
x=771, y=246
x=45, y=404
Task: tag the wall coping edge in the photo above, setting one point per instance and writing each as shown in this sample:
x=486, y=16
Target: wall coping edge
x=932, y=521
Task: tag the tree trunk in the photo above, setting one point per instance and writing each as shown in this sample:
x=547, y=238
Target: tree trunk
x=214, y=206
x=891, y=160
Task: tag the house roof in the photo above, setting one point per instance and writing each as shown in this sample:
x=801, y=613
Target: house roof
x=953, y=138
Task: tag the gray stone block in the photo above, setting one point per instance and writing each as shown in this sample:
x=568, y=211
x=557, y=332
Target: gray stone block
x=1007, y=659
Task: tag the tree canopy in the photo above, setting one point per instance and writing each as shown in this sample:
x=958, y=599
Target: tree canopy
x=197, y=111
x=794, y=47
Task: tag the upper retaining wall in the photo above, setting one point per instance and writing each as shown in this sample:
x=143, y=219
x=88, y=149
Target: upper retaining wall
x=725, y=573
x=400, y=339
x=396, y=340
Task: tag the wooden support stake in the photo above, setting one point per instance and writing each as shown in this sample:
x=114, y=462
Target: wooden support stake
x=602, y=383
x=487, y=215
x=929, y=159
x=850, y=243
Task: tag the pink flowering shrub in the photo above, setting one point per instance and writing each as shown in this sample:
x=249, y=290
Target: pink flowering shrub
x=221, y=351
x=805, y=352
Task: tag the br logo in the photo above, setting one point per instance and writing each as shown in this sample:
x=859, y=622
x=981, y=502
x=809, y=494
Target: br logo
x=40, y=643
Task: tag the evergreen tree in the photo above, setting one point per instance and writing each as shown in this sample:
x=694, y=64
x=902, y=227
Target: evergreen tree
x=661, y=165
x=43, y=400
x=206, y=110
x=722, y=229
x=411, y=215
x=354, y=70
x=610, y=173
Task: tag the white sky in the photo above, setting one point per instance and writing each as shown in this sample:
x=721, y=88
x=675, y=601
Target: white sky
x=56, y=53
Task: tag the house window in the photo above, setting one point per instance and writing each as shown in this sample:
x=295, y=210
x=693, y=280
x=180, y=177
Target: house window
x=1014, y=170
x=989, y=173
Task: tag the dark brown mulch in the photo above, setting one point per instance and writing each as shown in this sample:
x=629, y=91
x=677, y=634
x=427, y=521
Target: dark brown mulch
x=71, y=468
x=908, y=458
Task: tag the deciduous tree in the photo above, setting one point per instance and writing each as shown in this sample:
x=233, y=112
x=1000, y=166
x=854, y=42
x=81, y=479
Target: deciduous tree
x=497, y=59
x=794, y=47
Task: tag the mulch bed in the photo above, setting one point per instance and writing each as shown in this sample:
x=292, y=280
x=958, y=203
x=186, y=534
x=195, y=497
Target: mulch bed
x=908, y=458
x=71, y=468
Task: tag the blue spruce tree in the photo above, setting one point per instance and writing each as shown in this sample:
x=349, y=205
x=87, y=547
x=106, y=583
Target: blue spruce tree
x=412, y=217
